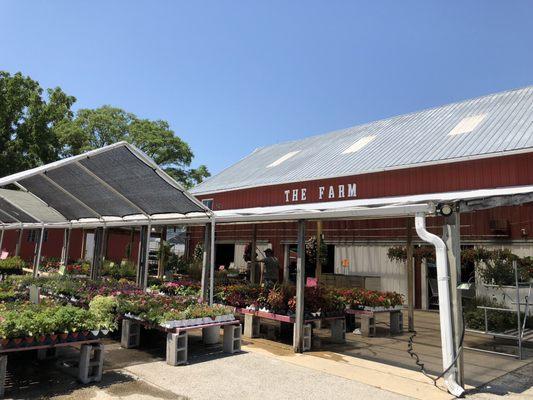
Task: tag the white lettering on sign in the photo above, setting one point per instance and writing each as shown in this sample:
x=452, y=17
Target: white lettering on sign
x=331, y=192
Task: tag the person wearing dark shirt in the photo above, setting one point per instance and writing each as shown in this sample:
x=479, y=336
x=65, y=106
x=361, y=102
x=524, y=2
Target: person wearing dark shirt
x=269, y=268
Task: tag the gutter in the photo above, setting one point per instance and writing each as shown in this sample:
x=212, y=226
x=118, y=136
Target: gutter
x=445, y=311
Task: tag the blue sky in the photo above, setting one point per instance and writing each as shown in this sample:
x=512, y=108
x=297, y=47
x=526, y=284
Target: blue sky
x=231, y=76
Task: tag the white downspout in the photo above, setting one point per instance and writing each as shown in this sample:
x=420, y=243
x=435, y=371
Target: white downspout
x=445, y=312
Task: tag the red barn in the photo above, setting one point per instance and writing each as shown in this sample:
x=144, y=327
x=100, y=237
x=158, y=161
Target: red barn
x=486, y=142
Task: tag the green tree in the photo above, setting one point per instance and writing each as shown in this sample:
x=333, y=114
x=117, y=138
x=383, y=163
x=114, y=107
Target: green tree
x=92, y=129
x=28, y=121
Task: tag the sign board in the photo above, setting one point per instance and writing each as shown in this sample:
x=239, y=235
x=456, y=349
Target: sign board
x=62, y=269
x=35, y=294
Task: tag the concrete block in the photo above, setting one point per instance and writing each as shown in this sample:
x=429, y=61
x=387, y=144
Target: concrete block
x=307, y=337
x=211, y=335
x=251, y=326
x=3, y=370
x=131, y=334
x=177, y=348
x=232, y=338
x=91, y=363
x=368, y=325
x=338, y=331
x=396, y=322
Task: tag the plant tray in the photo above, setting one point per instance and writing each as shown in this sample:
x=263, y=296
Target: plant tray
x=32, y=342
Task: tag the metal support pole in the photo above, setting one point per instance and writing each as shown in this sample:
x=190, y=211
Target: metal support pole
x=451, y=236
x=2, y=239
x=519, y=332
x=147, y=256
x=212, y=260
x=37, y=262
x=318, y=270
x=66, y=245
x=205, y=261
x=410, y=277
x=161, y=262
x=19, y=242
x=96, y=263
x=300, y=289
x=253, y=259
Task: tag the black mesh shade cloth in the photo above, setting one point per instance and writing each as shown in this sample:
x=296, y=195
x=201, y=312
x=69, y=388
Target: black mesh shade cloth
x=15, y=212
x=93, y=193
x=139, y=183
x=55, y=198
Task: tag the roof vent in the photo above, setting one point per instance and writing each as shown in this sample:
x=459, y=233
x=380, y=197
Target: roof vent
x=467, y=125
x=362, y=142
x=283, y=159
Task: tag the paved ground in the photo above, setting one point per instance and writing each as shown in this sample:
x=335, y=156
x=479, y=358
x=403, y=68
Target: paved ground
x=264, y=370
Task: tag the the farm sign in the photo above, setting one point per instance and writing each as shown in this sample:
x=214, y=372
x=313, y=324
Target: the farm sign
x=323, y=193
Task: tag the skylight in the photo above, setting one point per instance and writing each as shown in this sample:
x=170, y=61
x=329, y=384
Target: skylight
x=283, y=159
x=467, y=125
x=359, y=144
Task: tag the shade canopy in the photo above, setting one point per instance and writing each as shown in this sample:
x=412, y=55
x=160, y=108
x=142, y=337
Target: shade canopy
x=114, y=184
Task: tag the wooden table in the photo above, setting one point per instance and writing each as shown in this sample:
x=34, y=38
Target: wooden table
x=252, y=321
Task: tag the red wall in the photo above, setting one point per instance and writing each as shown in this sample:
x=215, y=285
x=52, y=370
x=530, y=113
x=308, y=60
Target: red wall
x=117, y=242
x=476, y=174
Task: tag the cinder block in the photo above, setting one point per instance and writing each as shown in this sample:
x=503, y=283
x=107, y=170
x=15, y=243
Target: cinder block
x=307, y=337
x=338, y=331
x=368, y=325
x=3, y=370
x=131, y=334
x=251, y=326
x=232, y=338
x=211, y=335
x=91, y=363
x=396, y=322
x=177, y=348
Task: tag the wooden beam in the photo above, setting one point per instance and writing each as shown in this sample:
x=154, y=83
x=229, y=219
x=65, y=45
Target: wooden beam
x=300, y=289
x=451, y=235
x=410, y=277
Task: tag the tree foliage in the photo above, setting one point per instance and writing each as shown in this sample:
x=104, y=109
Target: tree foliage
x=91, y=129
x=28, y=119
x=38, y=127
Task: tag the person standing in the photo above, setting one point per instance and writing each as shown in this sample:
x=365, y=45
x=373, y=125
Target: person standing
x=269, y=269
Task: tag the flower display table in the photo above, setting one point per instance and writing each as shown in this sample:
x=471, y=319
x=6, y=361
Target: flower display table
x=368, y=320
x=177, y=335
x=90, y=365
x=252, y=319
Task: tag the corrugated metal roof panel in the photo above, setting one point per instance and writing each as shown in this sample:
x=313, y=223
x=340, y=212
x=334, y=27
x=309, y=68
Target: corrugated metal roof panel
x=406, y=140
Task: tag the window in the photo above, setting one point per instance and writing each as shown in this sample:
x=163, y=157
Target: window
x=359, y=144
x=283, y=159
x=208, y=203
x=33, y=235
x=467, y=125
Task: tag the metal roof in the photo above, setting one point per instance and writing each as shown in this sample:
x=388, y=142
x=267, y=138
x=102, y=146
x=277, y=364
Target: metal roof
x=502, y=124
x=114, y=185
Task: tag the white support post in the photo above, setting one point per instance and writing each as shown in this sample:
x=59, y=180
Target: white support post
x=147, y=255
x=410, y=277
x=205, y=261
x=212, y=261
x=253, y=259
x=286, y=263
x=452, y=239
x=66, y=246
x=300, y=289
x=19, y=242
x=37, y=262
x=1, y=239
x=445, y=312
